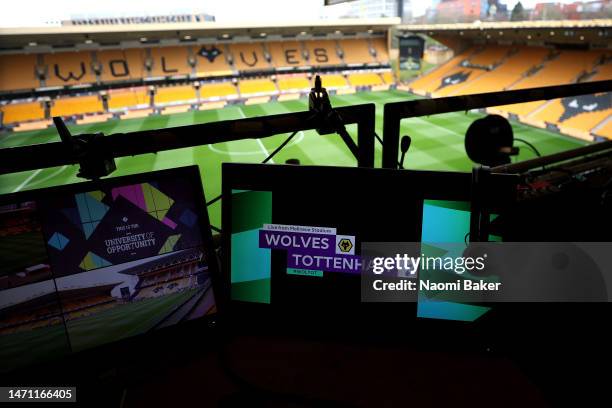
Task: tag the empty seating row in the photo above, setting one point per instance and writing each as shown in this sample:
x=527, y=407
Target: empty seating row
x=498, y=68
x=142, y=98
x=29, y=71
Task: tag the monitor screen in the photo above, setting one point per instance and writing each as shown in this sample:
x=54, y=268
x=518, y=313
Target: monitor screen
x=97, y=262
x=294, y=232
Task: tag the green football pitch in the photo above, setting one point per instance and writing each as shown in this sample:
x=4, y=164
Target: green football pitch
x=437, y=143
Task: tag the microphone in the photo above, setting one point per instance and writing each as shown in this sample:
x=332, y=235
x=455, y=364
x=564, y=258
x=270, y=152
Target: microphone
x=404, y=146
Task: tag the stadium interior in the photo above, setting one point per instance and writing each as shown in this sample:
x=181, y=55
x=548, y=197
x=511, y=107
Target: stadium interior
x=208, y=94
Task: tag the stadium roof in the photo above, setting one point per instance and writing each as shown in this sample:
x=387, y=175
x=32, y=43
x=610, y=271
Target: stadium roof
x=496, y=25
x=66, y=35
x=577, y=32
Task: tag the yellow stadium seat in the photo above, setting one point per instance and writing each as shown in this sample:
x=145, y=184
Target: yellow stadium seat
x=121, y=65
x=211, y=60
x=255, y=86
x=22, y=112
x=286, y=54
x=249, y=56
x=169, y=61
x=333, y=81
x=322, y=52
x=606, y=130
x=171, y=94
x=432, y=80
x=356, y=51
x=564, y=69
x=217, y=90
x=292, y=83
x=388, y=78
x=365, y=79
x=508, y=73
x=489, y=55
x=18, y=72
x=76, y=105
x=69, y=68
x=128, y=98
x=382, y=53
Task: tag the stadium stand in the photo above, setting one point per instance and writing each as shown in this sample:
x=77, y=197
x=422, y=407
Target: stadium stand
x=212, y=105
x=431, y=81
x=175, y=94
x=494, y=67
x=121, y=65
x=380, y=47
x=356, y=52
x=211, y=61
x=218, y=90
x=365, y=79
x=138, y=113
x=559, y=68
x=96, y=118
x=132, y=77
x=18, y=72
x=509, y=72
x=170, y=110
x=334, y=81
x=169, y=61
x=128, y=98
x=286, y=54
x=322, y=52
x=36, y=125
x=293, y=83
x=68, y=68
x=388, y=78
x=605, y=130
x=256, y=86
x=69, y=106
x=22, y=112
x=471, y=70
x=249, y=57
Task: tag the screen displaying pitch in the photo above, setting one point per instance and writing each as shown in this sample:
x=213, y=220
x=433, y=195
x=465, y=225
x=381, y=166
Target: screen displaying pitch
x=96, y=263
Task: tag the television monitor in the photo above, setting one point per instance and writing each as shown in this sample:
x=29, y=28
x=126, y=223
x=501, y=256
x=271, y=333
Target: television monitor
x=356, y=204
x=94, y=263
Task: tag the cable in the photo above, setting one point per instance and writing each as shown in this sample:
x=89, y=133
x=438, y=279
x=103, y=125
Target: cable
x=267, y=159
x=531, y=146
x=279, y=148
x=399, y=164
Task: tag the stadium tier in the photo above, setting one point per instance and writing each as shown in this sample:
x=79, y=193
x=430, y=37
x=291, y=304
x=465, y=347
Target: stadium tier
x=128, y=98
x=256, y=86
x=18, y=72
x=322, y=53
x=95, y=84
x=174, y=94
x=70, y=106
x=31, y=71
x=293, y=83
x=218, y=90
x=496, y=67
x=22, y=112
x=121, y=65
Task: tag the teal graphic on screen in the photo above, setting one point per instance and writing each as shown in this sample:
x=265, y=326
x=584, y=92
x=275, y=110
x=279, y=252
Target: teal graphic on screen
x=445, y=222
x=250, y=265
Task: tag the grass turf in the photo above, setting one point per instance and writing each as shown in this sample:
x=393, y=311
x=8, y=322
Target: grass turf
x=46, y=343
x=437, y=144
